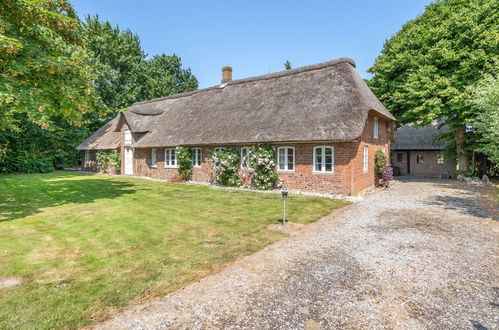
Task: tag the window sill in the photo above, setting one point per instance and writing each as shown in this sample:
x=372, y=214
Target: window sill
x=154, y=166
x=323, y=173
x=197, y=166
x=286, y=171
x=171, y=166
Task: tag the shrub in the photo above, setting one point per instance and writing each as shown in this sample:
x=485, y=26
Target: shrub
x=383, y=171
x=184, y=156
x=263, y=163
x=109, y=161
x=225, y=168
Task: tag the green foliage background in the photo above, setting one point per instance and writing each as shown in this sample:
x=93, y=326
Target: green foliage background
x=61, y=79
x=425, y=70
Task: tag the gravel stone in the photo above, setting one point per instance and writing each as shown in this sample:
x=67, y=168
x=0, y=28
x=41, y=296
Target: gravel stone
x=421, y=254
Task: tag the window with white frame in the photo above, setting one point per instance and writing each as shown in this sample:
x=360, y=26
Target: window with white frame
x=245, y=158
x=376, y=128
x=220, y=149
x=170, y=158
x=154, y=160
x=286, y=158
x=366, y=159
x=324, y=159
x=440, y=159
x=128, y=137
x=196, y=157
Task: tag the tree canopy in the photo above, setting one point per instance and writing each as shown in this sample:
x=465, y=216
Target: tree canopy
x=484, y=101
x=124, y=74
x=425, y=70
x=44, y=67
x=61, y=79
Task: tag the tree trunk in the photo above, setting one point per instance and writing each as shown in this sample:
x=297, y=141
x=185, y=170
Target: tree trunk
x=462, y=156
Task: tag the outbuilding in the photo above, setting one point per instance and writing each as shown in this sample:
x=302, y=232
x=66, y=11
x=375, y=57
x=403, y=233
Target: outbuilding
x=418, y=152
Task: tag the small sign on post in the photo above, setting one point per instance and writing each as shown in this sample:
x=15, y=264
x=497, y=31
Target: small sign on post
x=284, y=196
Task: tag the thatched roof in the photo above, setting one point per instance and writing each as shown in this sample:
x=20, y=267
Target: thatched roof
x=322, y=102
x=106, y=137
x=410, y=138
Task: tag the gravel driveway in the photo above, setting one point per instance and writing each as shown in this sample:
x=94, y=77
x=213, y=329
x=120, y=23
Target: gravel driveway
x=422, y=254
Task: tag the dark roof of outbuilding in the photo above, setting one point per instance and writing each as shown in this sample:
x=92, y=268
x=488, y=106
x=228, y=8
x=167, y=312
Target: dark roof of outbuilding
x=408, y=137
x=322, y=102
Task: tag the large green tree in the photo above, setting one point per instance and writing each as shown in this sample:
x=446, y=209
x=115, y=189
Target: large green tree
x=61, y=80
x=124, y=74
x=118, y=60
x=424, y=71
x=165, y=76
x=47, y=94
x=484, y=101
x=44, y=68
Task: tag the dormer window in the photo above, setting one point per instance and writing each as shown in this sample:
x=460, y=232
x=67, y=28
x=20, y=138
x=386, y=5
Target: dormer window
x=128, y=137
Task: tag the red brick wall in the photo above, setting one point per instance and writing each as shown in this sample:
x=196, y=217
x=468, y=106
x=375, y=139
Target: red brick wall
x=348, y=177
x=361, y=180
x=302, y=178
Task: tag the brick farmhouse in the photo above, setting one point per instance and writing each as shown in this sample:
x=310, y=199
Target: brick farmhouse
x=323, y=121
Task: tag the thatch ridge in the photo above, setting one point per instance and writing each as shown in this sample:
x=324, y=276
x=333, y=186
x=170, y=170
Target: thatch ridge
x=272, y=75
x=322, y=102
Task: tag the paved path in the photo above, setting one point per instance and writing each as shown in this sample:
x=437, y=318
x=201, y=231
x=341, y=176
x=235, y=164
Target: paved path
x=418, y=255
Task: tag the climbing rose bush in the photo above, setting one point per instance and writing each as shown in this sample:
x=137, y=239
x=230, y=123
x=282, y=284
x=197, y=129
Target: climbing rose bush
x=263, y=163
x=225, y=168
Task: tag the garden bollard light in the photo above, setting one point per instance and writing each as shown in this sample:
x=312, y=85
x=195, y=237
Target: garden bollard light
x=284, y=196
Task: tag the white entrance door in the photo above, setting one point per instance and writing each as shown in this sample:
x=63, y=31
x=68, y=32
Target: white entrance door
x=128, y=161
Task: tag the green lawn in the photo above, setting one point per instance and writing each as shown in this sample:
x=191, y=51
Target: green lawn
x=85, y=246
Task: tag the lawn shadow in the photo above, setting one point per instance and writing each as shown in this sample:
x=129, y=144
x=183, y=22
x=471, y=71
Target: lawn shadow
x=28, y=197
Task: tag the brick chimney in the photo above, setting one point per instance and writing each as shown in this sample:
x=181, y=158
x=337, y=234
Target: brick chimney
x=226, y=74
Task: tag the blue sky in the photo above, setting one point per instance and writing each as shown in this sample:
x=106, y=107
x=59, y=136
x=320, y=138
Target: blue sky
x=257, y=37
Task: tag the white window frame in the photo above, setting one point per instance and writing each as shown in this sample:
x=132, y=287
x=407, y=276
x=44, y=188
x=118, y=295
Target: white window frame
x=128, y=136
x=440, y=159
x=87, y=157
x=323, y=154
x=154, y=158
x=219, y=149
x=376, y=128
x=245, y=159
x=365, y=159
x=285, y=149
x=197, y=158
x=171, y=162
